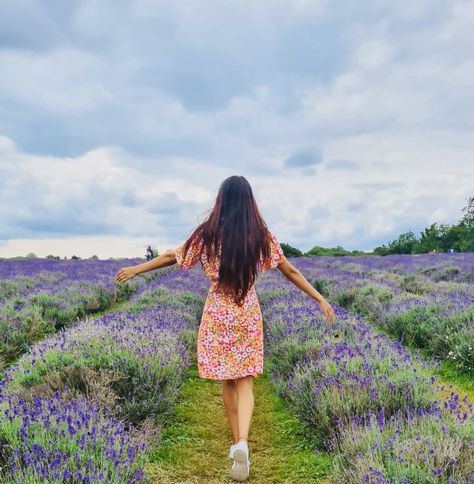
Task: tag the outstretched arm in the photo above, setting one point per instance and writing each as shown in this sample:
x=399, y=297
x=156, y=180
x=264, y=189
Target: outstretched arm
x=295, y=276
x=166, y=259
x=163, y=260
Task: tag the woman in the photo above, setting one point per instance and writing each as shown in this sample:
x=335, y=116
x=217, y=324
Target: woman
x=233, y=246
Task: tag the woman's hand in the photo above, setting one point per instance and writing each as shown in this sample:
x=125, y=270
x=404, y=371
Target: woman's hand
x=327, y=310
x=126, y=273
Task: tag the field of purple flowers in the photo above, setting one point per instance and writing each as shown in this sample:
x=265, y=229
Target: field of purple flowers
x=425, y=301
x=367, y=399
x=41, y=296
x=87, y=403
x=84, y=404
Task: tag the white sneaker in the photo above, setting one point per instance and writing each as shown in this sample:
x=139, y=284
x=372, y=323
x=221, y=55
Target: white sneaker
x=241, y=466
x=231, y=451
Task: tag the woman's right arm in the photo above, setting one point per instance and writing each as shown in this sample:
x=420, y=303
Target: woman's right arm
x=166, y=259
x=295, y=276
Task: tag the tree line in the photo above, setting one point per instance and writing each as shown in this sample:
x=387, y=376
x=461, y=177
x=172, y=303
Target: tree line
x=458, y=237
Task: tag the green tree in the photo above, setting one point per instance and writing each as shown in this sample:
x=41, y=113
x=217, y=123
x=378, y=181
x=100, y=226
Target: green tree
x=290, y=251
x=381, y=250
x=431, y=239
x=404, y=244
x=459, y=238
x=468, y=214
x=332, y=251
x=467, y=226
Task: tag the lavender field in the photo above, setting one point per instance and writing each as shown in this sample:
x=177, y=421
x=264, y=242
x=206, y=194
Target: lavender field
x=425, y=301
x=364, y=397
x=85, y=401
x=84, y=404
x=40, y=296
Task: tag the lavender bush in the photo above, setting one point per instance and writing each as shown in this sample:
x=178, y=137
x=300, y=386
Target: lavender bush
x=338, y=376
x=411, y=446
x=83, y=405
x=434, y=316
x=42, y=296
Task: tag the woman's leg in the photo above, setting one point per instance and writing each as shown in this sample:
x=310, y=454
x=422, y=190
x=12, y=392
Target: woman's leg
x=229, y=393
x=245, y=403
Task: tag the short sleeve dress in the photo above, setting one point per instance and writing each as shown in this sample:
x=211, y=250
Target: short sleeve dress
x=230, y=337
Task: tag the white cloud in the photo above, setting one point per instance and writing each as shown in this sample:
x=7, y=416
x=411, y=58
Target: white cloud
x=373, y=53
x=122, y=120
x=64, y=81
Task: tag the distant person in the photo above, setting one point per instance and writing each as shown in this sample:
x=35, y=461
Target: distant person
x=451, y=251
x=232, y=312
x=149, y=253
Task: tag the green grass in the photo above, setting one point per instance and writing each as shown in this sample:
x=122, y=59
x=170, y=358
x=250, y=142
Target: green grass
x=114, y=307
x=450, y=373
x=453, y=381
x=195, y=444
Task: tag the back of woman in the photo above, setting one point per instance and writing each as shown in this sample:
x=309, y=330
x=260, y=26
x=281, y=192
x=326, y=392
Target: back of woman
x=233, y=245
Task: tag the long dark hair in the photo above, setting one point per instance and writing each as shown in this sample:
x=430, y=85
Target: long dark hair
x=236, y=223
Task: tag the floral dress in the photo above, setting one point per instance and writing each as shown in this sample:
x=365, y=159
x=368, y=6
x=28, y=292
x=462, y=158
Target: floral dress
x=230, y=337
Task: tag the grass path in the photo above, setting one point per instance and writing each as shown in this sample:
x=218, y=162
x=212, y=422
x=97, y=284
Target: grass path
x=195, y=445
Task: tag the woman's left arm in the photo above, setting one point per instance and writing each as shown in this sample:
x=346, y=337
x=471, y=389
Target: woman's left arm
x=166, y=259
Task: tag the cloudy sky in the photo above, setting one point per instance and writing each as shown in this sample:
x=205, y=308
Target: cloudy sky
x=352, y=121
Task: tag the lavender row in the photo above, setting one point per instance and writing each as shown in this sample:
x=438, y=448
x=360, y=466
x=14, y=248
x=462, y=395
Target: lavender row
x=435, y=316
x=457, y=267
x=85, y=404
x=47, y=295
x=365, y=398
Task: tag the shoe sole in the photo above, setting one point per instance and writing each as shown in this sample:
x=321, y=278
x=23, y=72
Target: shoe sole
x=240, y=468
